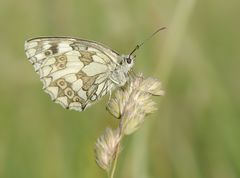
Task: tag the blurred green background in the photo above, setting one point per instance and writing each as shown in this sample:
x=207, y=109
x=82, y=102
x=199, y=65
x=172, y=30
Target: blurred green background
x=194, y=134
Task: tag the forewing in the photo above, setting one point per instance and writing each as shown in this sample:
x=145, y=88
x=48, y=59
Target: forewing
x=74, y=72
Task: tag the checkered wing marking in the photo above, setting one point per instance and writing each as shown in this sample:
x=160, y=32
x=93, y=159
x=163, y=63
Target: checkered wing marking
x=74, y=72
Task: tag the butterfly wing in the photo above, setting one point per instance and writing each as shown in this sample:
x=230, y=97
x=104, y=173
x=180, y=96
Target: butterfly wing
x=74, y=72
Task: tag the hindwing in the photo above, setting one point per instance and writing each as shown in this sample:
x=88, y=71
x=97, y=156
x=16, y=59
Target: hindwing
x=74, y=72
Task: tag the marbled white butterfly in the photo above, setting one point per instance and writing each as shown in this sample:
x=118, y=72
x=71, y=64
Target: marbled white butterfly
x=77, y=72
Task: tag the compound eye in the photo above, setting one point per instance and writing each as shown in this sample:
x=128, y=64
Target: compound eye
x=129, y=61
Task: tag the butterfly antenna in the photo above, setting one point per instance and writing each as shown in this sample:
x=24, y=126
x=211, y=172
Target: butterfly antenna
x=144, y=41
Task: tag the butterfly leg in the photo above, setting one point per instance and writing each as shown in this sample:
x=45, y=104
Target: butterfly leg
x=110, y=93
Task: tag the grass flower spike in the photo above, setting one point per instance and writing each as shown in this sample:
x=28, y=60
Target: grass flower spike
x=106, y=148
x=130, y=104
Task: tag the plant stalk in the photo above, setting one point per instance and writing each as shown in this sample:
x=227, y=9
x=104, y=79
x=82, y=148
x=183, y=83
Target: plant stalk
x=115, y=161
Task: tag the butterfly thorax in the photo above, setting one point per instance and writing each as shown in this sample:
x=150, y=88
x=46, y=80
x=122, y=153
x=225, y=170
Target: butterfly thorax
x=120, y=74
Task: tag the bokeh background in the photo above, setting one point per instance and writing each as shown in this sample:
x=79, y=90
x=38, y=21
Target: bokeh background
x=194, y=134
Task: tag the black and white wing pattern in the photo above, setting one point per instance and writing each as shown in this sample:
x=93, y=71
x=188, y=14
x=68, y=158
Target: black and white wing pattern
x=74, y=72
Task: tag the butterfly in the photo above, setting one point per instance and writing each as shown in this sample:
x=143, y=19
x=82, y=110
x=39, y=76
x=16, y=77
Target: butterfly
x=78, y=72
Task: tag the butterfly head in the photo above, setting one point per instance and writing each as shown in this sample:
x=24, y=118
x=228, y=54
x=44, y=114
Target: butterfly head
x=128, y=61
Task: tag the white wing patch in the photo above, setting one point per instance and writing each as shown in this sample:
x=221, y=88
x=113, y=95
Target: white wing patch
x=74, y=73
